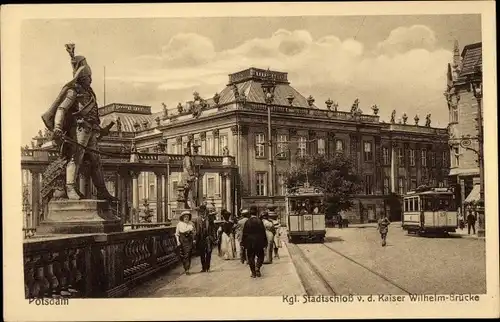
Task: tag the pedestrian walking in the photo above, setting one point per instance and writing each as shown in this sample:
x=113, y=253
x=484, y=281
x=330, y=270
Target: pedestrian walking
x=277, y=234
x=227, y=248
x=471, y=222
x=254, y=240
x=268, y=225
x=383, y=228
x=461, y=221
x=239, y=233
x=205, y=232
x=184, y=235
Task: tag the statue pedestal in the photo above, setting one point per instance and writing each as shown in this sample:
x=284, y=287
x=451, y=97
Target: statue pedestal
x=80, y=217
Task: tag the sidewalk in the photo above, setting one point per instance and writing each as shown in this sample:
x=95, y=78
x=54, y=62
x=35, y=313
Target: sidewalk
x=226, y=278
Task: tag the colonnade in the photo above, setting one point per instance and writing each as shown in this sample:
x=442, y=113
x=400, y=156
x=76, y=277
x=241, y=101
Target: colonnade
x=124, y=184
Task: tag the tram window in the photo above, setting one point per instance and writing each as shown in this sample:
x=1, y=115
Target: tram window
x=406, y=205
x=417, y=204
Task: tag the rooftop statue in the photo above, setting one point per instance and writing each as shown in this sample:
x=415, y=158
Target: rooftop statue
x=428, y=120
x=74, y=121
x=393, y=117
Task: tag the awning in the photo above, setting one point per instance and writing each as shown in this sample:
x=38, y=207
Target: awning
x=474, y=194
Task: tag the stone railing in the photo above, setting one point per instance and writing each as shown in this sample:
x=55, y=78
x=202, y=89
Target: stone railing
x=418, y=129
x=45, y=156
x=306, y=112
x=95, y=265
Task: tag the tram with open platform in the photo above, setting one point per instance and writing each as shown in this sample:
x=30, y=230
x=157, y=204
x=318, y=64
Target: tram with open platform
x=432, y=210
x=305, y=214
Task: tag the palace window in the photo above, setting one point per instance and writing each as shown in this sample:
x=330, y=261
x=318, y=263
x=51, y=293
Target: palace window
x=423, y=157
x=302, y=146
x=433, y=158
x=211, y=187
x=281, y=185
x=412, y=157
x=321, y=146
x=445, y=182
x=259, y=145
x=401, y=185
x=222, y=143
x=210, y=145
x=260, y=183
x=339, y=146
x=152, y=191
x=173, y=148
x=444, y=160
x=386, y=156
x=413, y=183
x=368, y=185
x=368, y=152
x=433, y=182
x=174, y=188
x=387, y=185
x=401, y=157
x=141, y=192
x=282, y=145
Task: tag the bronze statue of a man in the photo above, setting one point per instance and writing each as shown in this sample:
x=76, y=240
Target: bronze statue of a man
x=74, y=120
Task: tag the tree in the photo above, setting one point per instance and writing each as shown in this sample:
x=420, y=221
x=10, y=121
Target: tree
x=334, y=175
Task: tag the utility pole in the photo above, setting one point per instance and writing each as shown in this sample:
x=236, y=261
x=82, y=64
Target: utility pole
x=104, y=85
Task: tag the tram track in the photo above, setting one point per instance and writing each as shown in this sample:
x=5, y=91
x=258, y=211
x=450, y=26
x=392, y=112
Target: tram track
x=385, y=278
x=312, y=279
x=315, y=280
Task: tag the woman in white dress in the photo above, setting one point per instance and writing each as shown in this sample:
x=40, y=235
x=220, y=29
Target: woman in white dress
x=184, y=235
x=228, y=244
x=268, y=252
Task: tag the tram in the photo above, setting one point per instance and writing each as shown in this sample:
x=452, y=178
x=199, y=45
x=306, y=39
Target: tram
x=433, y=210
x=305, y=214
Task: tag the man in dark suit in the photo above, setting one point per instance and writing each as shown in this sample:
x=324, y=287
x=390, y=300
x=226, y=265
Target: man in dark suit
x=205, y=230
x=254, y=241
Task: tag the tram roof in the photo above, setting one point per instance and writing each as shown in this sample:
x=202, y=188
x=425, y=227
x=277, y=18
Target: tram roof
x=436, y=191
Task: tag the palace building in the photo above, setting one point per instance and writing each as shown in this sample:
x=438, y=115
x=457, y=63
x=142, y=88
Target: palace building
x=392, y=157
x=463, y=122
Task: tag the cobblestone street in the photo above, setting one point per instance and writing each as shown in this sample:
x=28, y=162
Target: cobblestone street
x=353, y=261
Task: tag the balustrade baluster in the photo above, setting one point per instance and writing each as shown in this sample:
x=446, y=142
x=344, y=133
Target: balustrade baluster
x=50, y=276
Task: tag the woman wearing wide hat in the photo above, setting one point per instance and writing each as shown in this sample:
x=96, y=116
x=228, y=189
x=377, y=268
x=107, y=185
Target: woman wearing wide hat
x=184, y=234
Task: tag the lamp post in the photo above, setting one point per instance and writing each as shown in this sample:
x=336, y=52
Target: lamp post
x=268, y=87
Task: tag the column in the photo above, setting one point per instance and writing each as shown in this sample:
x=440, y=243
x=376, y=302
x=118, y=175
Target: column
x=223, y=190
x=159, y=197
x=229, y=192
x=35, y=198
x=378, y=170
x=124, y=186
x=166, y=192
x=145, y=183
x=394, y=172
x=232, y=193
x=135, y=196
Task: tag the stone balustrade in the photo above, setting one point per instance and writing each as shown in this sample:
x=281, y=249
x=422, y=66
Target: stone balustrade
x=306, y=112
x=95, y=265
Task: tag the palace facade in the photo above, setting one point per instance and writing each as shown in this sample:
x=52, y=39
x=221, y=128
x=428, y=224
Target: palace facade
x=392, y=157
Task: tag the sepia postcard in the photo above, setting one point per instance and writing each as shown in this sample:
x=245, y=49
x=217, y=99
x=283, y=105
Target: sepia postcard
x=248, y=161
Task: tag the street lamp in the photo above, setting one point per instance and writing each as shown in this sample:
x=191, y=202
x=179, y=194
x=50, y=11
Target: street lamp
x=268, y=87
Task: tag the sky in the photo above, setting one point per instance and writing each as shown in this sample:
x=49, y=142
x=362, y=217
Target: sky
x=395, y=62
